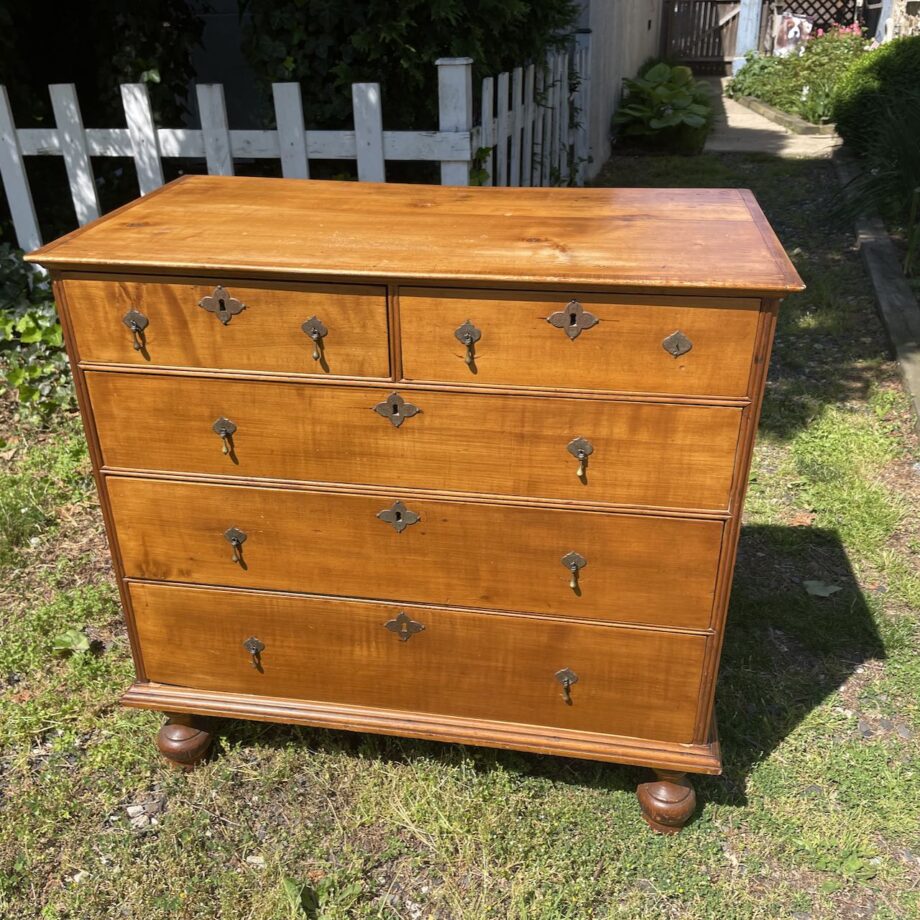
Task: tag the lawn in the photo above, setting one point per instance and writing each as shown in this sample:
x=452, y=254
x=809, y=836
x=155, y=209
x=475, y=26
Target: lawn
x=816, y=815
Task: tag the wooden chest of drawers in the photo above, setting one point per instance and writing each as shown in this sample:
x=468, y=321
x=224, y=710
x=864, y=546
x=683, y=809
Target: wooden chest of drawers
x=462, y=464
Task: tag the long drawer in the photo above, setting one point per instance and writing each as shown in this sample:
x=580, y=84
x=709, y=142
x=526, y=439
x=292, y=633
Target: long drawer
x=694, y=346
x=627, y=681
x=642, y=454
x=266, y=335
x=634, y=569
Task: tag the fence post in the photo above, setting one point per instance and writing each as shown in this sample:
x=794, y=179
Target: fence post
x=76, y=154
x=455, y=113
x=748, y=31
x=583, y=104
x=292, y=139
x=143, y=133
x=15, y=180
x=365, y=104
x=214, y=130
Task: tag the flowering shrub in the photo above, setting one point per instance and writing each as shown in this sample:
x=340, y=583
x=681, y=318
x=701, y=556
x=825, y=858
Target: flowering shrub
x=803, y=84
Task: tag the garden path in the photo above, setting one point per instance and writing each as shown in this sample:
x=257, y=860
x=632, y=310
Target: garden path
x=737, y=129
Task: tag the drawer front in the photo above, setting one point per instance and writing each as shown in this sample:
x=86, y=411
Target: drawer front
x=473, y=555
x=631, y=682
x=643, y=453
x=266, y=336
x=623, y=350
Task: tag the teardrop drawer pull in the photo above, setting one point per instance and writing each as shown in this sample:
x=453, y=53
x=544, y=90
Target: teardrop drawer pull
x=137, y=323
x=398, y=516
x=581, y=449
x=396, y=410
x=573, y=562
x=468, y=335
x=255, y=647
x=225, y=429
x=568, y=678
x=222, y=304
x=573, y=319
x=317, y=331
x=236, y=538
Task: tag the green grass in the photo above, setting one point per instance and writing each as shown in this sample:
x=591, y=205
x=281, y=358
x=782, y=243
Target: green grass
x=817, y=814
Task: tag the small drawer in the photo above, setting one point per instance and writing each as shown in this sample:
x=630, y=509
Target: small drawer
x=533, y=560
x=690, y=346
x=501, y=667
x=311, y=329
x=626, y=453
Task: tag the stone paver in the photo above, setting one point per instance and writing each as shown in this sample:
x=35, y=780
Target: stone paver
x=736, y=129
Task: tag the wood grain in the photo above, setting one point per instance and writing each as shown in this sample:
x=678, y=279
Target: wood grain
x=652, y=238
x=266, y=336
x=492, y=666
x=644, y=454
x=702, y=757
x=456, y=554
x=623, y=351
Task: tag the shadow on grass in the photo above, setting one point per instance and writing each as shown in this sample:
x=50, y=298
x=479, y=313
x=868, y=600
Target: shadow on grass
x=785, y=652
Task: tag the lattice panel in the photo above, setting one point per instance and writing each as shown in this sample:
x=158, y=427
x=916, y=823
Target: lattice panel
x=825, y=12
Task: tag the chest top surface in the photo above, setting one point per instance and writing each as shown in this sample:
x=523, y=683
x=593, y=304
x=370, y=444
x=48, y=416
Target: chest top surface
x=662, y=239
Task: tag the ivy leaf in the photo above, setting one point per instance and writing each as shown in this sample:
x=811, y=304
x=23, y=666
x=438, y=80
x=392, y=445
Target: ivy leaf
x=820, y=588
x=150, y=76
x=71, y=642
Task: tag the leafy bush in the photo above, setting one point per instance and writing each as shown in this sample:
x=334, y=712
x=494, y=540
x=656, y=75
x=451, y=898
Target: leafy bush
x=666, y=107
x=327, y=45
x=32, y=359
x=803, y=84
x=873, y=87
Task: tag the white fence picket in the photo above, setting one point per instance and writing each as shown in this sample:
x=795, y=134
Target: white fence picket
x=546, y=147
x=292, y=136
x=527, y=138
x=455, y=112
x=215, y=131
x=15, y=180
x=502, y=124
x=519, y=130
x=141, y=130
x=517, y=118
x=487, y=130
x=72, y=141
x=365, y=102
x=565, y=141
x=539, y=115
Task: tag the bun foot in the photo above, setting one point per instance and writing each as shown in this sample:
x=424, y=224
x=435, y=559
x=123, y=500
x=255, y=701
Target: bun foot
x=183, y=740
x=668, y=803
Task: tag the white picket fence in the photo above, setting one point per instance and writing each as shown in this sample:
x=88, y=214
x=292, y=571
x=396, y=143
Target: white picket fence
x=532, y=138
x=537, y=135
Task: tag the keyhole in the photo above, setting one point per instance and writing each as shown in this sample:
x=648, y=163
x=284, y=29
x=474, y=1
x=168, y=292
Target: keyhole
x=395, y=410
x=398, y=516
x=222, y=306
x=572, y=319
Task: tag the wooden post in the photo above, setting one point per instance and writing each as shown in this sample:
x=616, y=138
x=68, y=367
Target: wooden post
x=501, y=130
x=214, y=129
x=748, y=31
x=583, y=103
x=455, y=112
x=517, y=118
x=487, y=132
x=143, y=134
x=365, y=102
x=76, y=154
x=527, y=142
x=292, y=137
x=15, y=180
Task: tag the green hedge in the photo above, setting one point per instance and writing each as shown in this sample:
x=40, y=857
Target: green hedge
x=803, y=84
x=873, y=90
x=327, y=45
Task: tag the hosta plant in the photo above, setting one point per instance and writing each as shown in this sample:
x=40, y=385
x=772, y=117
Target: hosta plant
x=666, y=106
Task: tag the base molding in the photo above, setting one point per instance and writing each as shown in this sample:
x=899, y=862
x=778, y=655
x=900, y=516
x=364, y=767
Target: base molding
x=689, y=758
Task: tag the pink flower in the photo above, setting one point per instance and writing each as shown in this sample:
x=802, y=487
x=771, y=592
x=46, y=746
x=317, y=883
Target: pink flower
x=820, y=32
